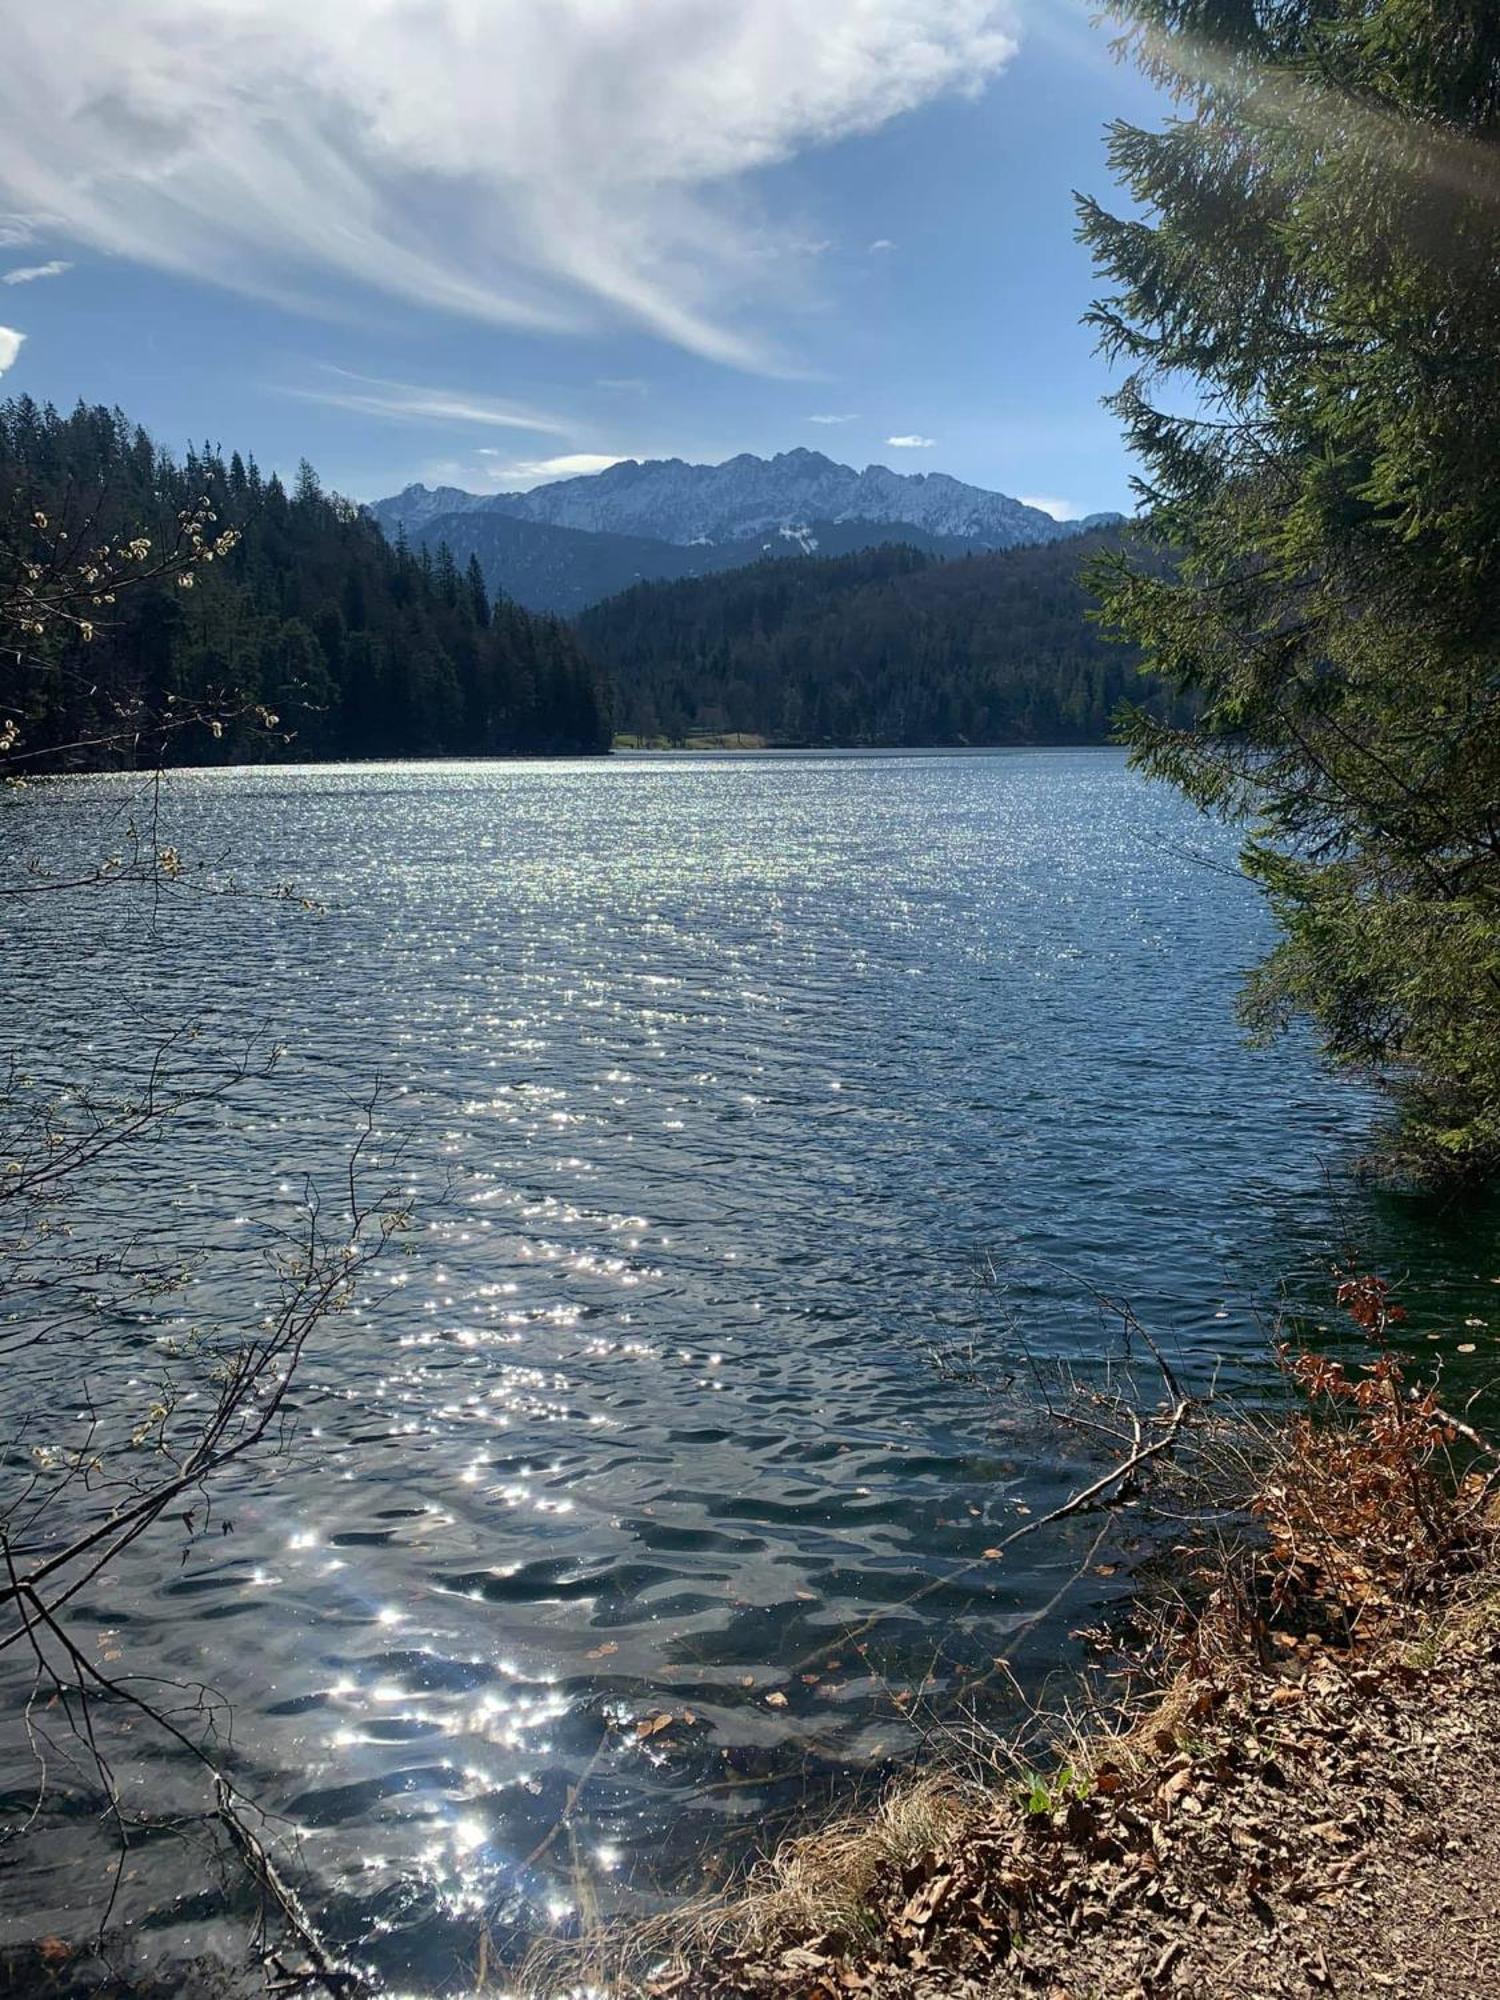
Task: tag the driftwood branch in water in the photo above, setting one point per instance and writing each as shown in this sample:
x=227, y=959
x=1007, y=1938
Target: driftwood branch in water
x=336, y=1978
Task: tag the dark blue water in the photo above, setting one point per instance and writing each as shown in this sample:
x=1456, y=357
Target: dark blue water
x=758, y=1112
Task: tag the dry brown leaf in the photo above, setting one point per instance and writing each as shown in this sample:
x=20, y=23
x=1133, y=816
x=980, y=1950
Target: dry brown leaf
x=1167, y=1960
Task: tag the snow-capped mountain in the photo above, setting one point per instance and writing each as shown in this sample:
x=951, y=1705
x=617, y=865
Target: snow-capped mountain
x=672, y=501
x=564, y=546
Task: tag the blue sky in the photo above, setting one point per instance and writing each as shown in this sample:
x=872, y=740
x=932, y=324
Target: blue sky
x=489, y=241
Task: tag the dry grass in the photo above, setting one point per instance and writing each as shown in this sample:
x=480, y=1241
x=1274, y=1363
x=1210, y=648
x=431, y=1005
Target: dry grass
x=1466, y=1623
x=815, y=1885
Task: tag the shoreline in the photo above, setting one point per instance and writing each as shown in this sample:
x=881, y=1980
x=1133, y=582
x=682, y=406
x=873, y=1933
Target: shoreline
x=1320, y=1827
x=595, y=758
x=1291, y=1796
x=790, y=750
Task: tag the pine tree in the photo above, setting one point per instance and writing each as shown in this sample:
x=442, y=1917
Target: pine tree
x=479, y=597
x=357, y=648
x=445, y=575
x=1316, y=245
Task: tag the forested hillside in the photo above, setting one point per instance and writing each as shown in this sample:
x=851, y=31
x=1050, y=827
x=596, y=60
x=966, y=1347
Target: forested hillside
x=566, y=570
x=358, y=649
x=885, y=646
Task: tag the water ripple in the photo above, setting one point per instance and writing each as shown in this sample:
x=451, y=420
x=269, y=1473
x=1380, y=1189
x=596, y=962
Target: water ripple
x=722, y=1083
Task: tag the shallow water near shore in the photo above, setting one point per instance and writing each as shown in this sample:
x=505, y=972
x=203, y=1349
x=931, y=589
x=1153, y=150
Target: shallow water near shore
x=752, y=1109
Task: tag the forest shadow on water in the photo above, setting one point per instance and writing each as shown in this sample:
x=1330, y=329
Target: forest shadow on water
x=770, y=1128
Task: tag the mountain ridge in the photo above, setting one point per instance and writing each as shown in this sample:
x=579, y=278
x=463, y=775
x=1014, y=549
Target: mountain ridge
x=728, y=515
x=678, y=500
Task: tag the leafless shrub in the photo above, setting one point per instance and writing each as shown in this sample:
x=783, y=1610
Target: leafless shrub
x=100, y=1458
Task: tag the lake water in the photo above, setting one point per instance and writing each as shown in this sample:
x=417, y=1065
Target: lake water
x=757, y=1110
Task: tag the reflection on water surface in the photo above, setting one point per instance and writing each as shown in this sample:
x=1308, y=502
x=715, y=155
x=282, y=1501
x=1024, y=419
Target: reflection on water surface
x=634, y=1503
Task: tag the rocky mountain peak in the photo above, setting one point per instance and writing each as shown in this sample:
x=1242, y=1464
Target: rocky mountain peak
x=732, y=513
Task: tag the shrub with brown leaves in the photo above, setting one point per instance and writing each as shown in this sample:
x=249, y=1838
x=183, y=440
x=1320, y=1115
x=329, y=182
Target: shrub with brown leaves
x=1377, y=1495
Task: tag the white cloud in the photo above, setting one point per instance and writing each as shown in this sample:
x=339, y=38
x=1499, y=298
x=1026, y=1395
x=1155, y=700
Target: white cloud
x=625, y=385
x=408, y=402
x=10, y=346
x=27, y=274
x=1060, y=510
x=911, y=441
x=536, y=471
x=844, y=417
x=881, y=243
x=539, y=163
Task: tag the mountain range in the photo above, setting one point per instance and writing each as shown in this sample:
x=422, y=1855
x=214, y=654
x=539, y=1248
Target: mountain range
x=566, y=545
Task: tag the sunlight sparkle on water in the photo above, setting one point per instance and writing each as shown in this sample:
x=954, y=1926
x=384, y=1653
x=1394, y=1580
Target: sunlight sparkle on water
x=658, y=1460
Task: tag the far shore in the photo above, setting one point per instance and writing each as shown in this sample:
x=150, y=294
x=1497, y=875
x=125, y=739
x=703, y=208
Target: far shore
x=753, y=746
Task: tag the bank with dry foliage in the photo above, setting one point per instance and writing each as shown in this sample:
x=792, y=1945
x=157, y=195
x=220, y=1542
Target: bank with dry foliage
x=1292, y=1792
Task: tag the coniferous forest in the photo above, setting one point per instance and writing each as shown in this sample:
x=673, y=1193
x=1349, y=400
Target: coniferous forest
x=309, y=635
x=355, y=647
x=886, y=646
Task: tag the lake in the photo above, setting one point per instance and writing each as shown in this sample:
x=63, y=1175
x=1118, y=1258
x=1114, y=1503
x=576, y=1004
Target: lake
x=760, y=1114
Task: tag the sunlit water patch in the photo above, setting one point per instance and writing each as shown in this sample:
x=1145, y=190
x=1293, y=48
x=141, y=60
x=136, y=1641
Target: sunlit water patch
x=642, y=1494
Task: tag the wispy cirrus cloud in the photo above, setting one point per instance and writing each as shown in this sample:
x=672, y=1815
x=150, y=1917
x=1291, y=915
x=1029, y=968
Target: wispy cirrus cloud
x=911, y=441
x=839, y=417
x=552, y=164
x=10, y=346
x=411, y=402
x=1060, y=510
x=27, y=274
x=880, y=244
